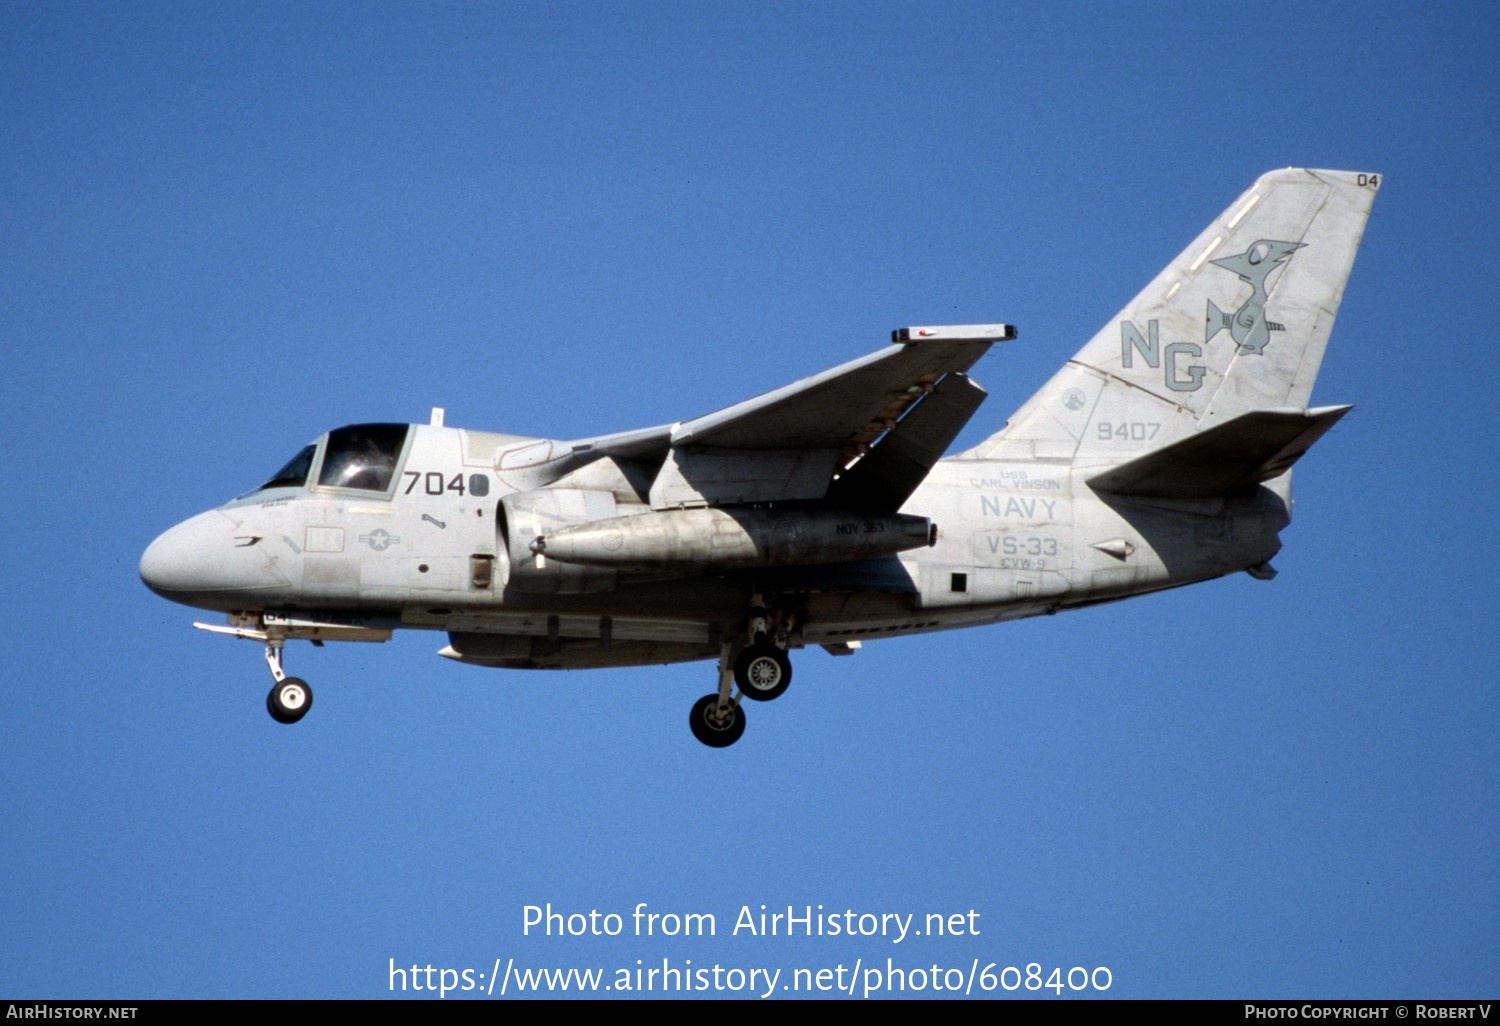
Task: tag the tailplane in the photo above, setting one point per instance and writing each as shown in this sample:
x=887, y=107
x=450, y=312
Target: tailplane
x=1231, y=457
x=1202, y=382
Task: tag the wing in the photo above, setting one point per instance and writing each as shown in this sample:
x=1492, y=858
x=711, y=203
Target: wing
x=864, y=433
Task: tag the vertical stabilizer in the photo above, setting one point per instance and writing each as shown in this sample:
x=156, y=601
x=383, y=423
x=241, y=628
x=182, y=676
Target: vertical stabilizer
x=1237, y=323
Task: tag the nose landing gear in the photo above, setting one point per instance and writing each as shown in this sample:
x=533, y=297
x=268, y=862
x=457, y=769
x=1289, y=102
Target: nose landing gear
x=290, y=697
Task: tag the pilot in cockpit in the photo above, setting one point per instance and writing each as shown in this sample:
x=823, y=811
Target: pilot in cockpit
x=360, y=463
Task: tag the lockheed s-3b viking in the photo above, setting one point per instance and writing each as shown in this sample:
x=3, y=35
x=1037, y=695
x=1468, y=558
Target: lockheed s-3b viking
x=821, y=513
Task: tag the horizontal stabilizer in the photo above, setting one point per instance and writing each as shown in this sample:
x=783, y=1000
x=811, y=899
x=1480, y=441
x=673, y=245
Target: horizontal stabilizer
x=1238, y=454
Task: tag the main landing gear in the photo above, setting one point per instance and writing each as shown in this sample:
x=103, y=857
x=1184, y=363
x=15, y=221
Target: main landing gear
x=717, y=722
x=761, y=669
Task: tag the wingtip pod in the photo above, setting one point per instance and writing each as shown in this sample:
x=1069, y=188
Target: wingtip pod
x=954, y=333
x=1238, y=322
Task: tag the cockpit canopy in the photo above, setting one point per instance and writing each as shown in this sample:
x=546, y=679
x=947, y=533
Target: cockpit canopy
x=360, y=456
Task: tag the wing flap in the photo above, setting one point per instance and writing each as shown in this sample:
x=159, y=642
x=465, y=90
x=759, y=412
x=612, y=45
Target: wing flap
x=891, y=472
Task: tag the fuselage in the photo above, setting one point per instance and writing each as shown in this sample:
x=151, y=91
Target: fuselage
x=415, y=526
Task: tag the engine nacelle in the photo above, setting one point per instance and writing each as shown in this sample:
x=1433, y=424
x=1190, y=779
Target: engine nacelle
x=684, y=541
x=526, y=516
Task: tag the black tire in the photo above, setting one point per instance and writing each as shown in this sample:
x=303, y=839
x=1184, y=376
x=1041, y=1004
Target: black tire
x=289, y=700
x=763, y=672
x=711, y=732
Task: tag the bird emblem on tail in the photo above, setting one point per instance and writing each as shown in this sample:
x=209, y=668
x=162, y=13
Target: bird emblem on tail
x=1248, y=325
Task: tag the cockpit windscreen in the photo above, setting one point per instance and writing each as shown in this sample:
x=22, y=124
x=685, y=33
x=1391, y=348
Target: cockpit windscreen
x=362, y=456
x=294, y=474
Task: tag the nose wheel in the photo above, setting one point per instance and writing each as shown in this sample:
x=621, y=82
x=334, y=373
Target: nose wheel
x=289, y=700
x=290, y=697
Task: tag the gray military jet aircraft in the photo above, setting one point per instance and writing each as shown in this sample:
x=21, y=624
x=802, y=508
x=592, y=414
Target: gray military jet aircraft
x=821, y=513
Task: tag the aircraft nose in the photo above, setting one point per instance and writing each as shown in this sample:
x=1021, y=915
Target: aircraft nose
x=211, y=561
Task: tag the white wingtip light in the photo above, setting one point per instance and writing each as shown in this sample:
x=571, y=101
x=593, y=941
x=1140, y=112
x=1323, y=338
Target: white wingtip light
x=954, y=333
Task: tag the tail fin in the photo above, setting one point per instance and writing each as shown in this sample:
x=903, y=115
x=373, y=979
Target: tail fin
x=1237, y=324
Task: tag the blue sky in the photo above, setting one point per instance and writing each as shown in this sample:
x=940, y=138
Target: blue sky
x=229, y=228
